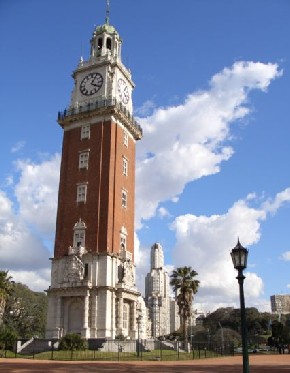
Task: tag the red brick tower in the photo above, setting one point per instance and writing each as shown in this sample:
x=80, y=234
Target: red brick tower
x=93, y=273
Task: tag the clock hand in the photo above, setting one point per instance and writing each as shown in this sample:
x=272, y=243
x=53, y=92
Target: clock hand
x=93, y=82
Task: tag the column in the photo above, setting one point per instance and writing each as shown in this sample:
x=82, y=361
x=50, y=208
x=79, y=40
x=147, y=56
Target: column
x=59, y=325
x=93, y=315
x=86, y=316
x=133, y=316
x=120, y=316
x=114, y=316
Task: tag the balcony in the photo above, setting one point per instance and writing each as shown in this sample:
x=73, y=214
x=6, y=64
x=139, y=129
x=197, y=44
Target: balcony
x=102, y=106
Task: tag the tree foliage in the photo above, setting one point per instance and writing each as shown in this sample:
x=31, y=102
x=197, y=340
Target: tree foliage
x=185, y=286
x=6, y=289
x=25, y=312
x=260, y=325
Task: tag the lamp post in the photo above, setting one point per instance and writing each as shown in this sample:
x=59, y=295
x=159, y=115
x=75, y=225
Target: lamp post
x=139, y=318
x=239, y=256
x=222, y=338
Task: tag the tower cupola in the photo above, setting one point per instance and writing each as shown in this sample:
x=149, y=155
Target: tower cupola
x=106, y=42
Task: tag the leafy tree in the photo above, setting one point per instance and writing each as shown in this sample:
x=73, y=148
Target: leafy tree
x=25, y=312
x=229, y=319
x=72, y=341
x=185, y=286
x=6, y=289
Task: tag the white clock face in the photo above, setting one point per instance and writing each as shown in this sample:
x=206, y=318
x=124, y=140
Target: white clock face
x=91, y=84
x=123, y=91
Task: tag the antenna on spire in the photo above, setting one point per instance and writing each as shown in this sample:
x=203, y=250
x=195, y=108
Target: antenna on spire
x=107, y=12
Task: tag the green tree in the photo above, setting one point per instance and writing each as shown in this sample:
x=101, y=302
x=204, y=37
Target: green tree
x=25, y=312
x=185, y=286
x=6, y=289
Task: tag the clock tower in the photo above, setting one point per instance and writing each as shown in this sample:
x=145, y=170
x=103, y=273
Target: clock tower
x=93, y=291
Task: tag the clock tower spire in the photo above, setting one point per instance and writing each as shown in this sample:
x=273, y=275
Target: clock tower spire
x=107, y=12
x=93, y=289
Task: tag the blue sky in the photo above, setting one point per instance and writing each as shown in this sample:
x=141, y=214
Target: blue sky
x=212, y=94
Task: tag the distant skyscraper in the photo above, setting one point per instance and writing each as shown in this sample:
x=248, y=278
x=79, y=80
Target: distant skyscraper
x=280, y=303
x=157, y=295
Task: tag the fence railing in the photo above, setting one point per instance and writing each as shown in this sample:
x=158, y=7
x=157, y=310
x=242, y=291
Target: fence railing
x=115, y=350
x=98, y=104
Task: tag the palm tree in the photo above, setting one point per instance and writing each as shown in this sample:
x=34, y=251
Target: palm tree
x=6, y=288
x=184, y=286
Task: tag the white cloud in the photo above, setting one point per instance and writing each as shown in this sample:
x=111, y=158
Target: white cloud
x=18, y=146
x=142, y=262
x=37, y=280
x=286, y=256
x=146, y=109
x=36, y=193
x=19, y=247
x=189, y=141
x=273, y=205
x=27, y=226
x=163, y=212
x=203, y=243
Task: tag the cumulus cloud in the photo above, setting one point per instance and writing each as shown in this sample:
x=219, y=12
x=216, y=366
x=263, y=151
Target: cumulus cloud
x=203, y=243
x=190, y=141
x=146, y=109
x=163, y=212
x=38, y=280
x=27, y=225
x=274, y=204
x=36, y=193
x=142, y=262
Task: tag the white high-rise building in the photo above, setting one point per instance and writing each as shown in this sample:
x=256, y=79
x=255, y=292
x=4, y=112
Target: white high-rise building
x=157, y=295
x=280, y=303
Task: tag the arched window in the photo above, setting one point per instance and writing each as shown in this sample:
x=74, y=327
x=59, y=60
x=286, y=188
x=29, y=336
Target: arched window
x=100, y=43
x=79, y=234
x=123, y=238
x=125, y=315
x=109, y=43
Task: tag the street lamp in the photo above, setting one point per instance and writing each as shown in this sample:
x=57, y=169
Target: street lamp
x=139, y=319
x=239, y=256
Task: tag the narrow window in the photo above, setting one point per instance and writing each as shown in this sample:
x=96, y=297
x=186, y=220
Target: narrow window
x=125, y=138
x=81, y=193
x=86, y=271
x=109, y=43
x=100, y=43
x=79, y=238
x=124, y=198
x=123, y=241
x=125, y=316
x=84, y=160
x=85, y=132
x=79, y=234
x=125, y=166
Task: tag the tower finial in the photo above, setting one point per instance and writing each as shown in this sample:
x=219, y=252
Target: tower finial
x=107, y=12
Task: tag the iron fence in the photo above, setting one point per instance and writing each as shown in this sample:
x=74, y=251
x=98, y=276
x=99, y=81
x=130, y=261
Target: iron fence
x=115, y=350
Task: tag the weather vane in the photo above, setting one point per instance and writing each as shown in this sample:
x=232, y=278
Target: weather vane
x=108, y=12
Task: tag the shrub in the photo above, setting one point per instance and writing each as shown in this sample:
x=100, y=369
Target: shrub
x=7, y=338
x=72, y=341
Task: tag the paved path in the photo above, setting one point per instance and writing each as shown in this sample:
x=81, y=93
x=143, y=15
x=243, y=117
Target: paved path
x=258, y=364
